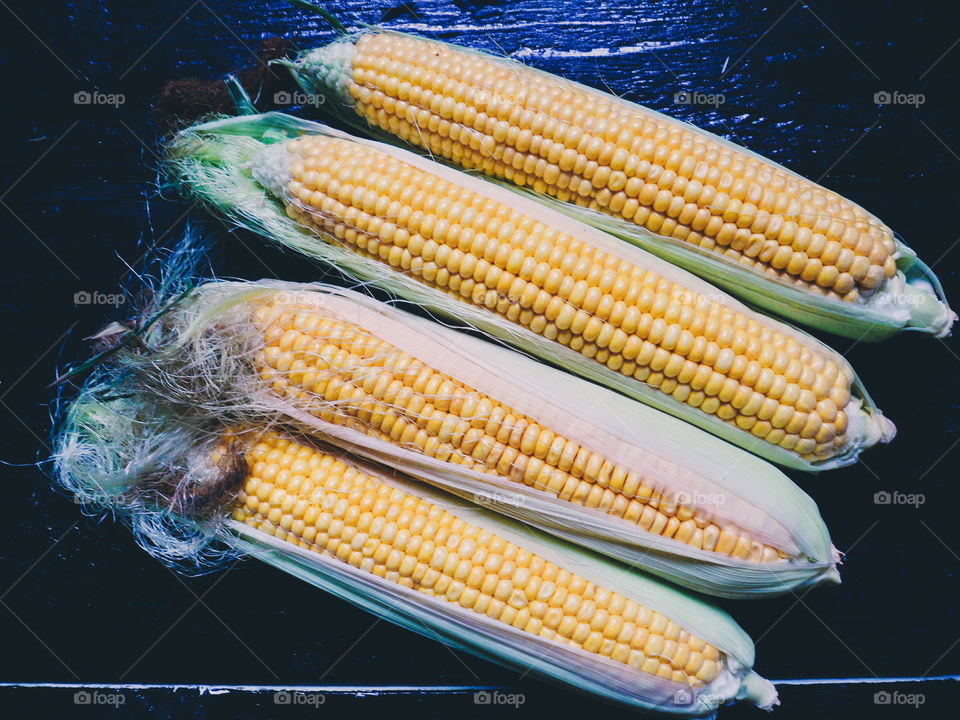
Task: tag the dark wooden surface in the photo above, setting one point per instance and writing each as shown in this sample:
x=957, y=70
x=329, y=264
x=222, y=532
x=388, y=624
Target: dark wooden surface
x=81, y=603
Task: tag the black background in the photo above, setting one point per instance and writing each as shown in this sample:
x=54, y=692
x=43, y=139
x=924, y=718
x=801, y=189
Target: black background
x=78, y=183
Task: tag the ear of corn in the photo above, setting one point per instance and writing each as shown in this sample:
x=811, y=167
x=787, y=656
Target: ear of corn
x=745, y=223
x=494, y=427
x=408, y=553
x=489, y=584
x=546, y=284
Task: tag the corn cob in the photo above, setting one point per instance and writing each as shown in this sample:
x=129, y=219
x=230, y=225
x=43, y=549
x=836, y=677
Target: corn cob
x=320, y=503
x=347, y=376
x=410, y=554
x=644, y=327
x=611, y=312
x=495, y=427
x=742, y=221
x=324, y=505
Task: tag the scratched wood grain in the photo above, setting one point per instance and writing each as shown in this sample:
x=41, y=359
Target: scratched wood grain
x=81, y=203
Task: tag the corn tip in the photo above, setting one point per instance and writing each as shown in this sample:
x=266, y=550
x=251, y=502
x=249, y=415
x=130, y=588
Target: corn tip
x=879, y=429
x=760, y=691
